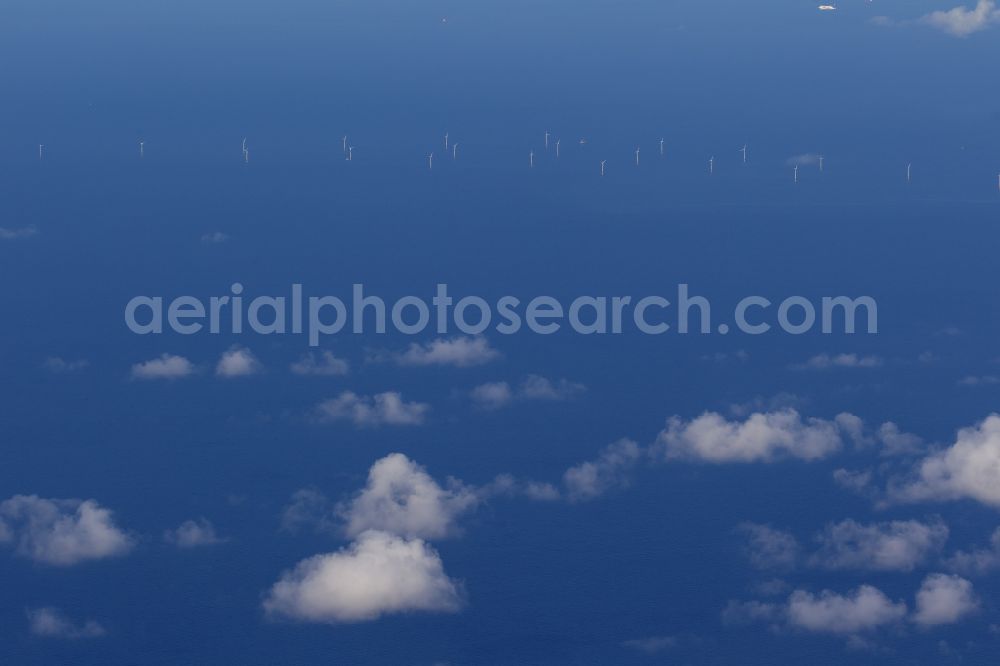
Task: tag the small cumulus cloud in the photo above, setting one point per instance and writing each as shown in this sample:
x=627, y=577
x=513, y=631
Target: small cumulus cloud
x=651, y=644
x=968, y=469
x=828, y=361
x=494, y=395
x=979, y=561
x=378, y=574
x=323, y=364
x=944, y=599
x=610, y=469
x=52, y=623
x=900, y=545
x=238, y=362
x=214, y=238
x=770, y=548
x=761, y=437
x=962, y=21
x=459, y=352
x=973, y=381
x=387, y=408
x=60, y=366
x=17, y=234
x=61, y=532
x=400, y=497
x=167, y=366
x=193, y=534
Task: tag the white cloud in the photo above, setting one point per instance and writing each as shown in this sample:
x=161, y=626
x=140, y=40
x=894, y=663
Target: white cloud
x=806, y=159
x=214, y=237
x=16, y=234
x=492, y=395
x=856, y=481
x=888, y=546
x=979, y=380
x=762, y=437
x=944, y=599
x=591, y=479
x=652, y=644
x=324, y=364
x=535, y=387
x=827, y=361
x=51, y=623
x=363, y=411
x=167, y=366
x=978, y=561
x=864, y=609
x=401, y=498
x=308, y=508
x=897, y=443
x=461, y=352
x=59, y=366
x=769, y=548
x=192, y=534
x=61, y=532
x=379, y=574
x=237, y=362
x=495, y=395
x=968, y=469
x=962, y=21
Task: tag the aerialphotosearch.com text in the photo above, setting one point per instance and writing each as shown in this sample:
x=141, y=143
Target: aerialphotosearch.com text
x=362, y=313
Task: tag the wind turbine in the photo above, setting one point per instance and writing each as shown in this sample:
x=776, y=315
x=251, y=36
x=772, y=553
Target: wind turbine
x=558, y=141
x=909, y=172
x=430, y=161
x=40, y=146
x=547, y=140
x=661, y=147
x=821, y=163
x=603, y=162
x=711, y=165
x=350, y=153
x=445, y=142
x=744, y=151
x=796, y=173
x=344, y=141
x=142, y=145
x=454, y=151
x=531, y=159
x=637, y=156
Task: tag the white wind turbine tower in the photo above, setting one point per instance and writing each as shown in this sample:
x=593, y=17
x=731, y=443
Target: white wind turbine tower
x=637, y=156
x=430, y=161
x=40, y=146
x=446, y=142
x=821, y=163
x=711, y=165
x=603, y=162
x=343, y=141
x=796, y=171
x=547, y=140
x=558, y=141
x=744, y=151
x=531, y=159
x=454, y=151
x=142, y=152
x=909, y=172
x=350, y=153
x=662, y=147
